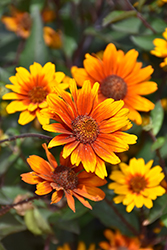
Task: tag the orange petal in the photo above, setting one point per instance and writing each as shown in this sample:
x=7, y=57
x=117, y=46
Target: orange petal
x=92, y=193
x=52, y=160
x=90, y=179
x=43, y=188
x=31, y=178
x=69, y=148
x=70, y=200
x=60, y=140
x=57, y=196
x=58, y=128
x=88, y=157
x=82, y=200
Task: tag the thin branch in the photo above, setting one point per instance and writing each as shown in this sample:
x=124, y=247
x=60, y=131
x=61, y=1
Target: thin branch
x=129, y=226
x=40, y=136
x=140, y=17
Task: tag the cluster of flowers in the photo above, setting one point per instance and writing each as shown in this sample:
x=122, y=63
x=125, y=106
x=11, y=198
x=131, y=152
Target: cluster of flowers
x=90, y=122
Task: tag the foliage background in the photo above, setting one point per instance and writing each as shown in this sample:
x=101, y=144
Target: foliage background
x=87, y=27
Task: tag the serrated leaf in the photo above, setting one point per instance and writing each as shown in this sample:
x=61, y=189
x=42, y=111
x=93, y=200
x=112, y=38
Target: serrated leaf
x=157, y=115
x=118, y=15
x=31, y=223
x=35, y=48
x=158, y=143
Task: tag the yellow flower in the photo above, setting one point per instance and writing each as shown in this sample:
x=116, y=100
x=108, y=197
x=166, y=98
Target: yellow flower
x=92, y=132
x=19, y=22
x=30, y=90
x=164, y=63
x=81, y=246
x=52, y=38
x=118, y=241
x=160, y=49
x=120, y=77
x=137, y=184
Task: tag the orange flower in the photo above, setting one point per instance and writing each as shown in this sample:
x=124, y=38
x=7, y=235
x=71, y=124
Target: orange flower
x=19, y=22
x=48, y=15
x=81, y=246
x=31, y=89
x=121, y=78
x=118, y=241
x=64, y=179
x=92, y=132
x=52, y=38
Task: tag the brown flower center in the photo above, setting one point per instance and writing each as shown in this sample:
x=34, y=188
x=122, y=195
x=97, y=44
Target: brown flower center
x=114, y=87
x=85, y=129
x=137, y=183
x=37, y=94
x=65, y=177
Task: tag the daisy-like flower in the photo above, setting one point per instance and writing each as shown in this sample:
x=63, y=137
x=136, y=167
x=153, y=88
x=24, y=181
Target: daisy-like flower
x=19, y=22
x=52, y=38
x=118, y=241
x=92, y=131
x=81, y=246
x=30, y=90
x=137, y=184
x=121, y=78
x=65, y=179
x=160, y=49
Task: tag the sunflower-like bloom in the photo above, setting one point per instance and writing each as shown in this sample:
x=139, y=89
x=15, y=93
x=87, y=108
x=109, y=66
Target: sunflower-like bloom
x=92, y=131
x=81, y=246
x=30, y=90
x=52, y=38
x=137, y=184
x=160, y=49
x=19, y=22
x=64, y=178
x=118, y=241
x=121, y=78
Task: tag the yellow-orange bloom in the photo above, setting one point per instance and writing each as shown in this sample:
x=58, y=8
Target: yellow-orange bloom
x=121, y=78
x=164, y=63
x=160, y=49
x=137, y=184
x=92, y=131
x=30, y=90
x=117, y=241
x=48, y=15
x=19, y=22
x=81, y=246
x=65, y=179
x=52, y=38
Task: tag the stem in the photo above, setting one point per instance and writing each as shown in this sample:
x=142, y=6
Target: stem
x=13, y=138
x=129, y=226
x=161, y=160
x=140, y=17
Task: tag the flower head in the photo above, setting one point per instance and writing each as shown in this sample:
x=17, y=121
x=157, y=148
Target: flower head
x=81, y=246
x=65, y=179
x=137, y=184
x=52, y=38
x=121, y=78
x=19, y=22
x=92, y=131
x=118, y=241
x=160, y=49
x=30, y=90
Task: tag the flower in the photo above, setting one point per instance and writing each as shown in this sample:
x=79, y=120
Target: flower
x=19, y=22
x=48, y=15
x=52, y=38
x=30, y=91
x=118, y=241
x=137, y=184
x=81, y=246
x=121, y=78
x=64, y=178
x=161, y=46
x=164, y=63
x=92, y=132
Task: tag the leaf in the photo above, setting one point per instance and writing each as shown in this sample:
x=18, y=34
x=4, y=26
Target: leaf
x=118, y=15
x=69, y=45
x=42, y=222
x=157, y=115
x=4, y=75
x=2, y=247
x=158, y=143
x=35, y=48
x=144, y=42
x=31, y=223
x=10, y=225
x=130, y=25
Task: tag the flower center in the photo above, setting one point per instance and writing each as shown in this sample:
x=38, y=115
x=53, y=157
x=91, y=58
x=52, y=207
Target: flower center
x=37, y=94
x=85, y=129
x=114, y=87
x=137, y=183
x=65, y=177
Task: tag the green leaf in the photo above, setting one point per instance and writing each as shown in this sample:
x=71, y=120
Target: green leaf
x=130, y=25
x=4, y=75
x=118, y=15
x=144, y=42
x=69, y=45
x=35, y=48
x=31, y=223
x=158, y=210
x=157, y=115
x=10, y=225
x=42, y=222
x=158, y=143
x=2, y=247
x=164, y=219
